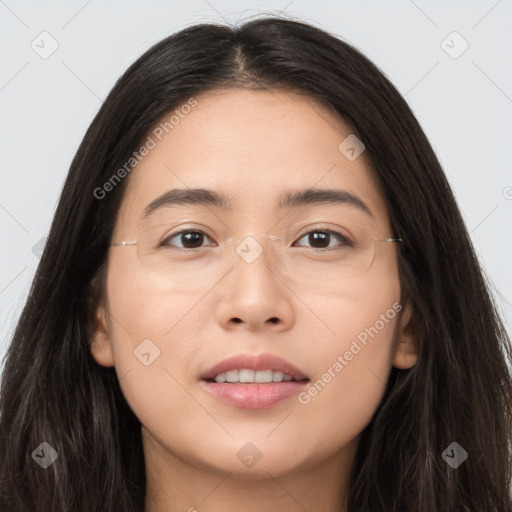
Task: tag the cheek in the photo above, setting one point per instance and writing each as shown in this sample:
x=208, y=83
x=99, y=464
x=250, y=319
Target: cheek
x=352, y=354
x=352, y=372
x=154, y=337
x=143, y=306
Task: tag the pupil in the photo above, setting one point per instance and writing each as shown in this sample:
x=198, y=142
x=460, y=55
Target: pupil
x=188, y=236
x=320, y=236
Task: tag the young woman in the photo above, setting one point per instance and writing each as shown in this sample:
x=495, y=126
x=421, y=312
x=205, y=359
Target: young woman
x=257, y=294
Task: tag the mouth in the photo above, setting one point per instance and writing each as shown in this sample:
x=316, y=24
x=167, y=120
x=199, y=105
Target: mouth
x=248, y=376
x=253, y=382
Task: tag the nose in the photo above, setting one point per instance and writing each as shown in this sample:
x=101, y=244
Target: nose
x=253, y=294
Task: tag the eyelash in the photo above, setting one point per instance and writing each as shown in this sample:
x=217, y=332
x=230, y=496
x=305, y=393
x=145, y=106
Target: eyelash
x=346, y=242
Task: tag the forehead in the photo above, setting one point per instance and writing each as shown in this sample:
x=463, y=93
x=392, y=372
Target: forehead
x=252, y=147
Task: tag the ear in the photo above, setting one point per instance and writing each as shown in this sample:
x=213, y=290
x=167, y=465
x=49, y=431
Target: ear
x=406, y=347
x=101, y=346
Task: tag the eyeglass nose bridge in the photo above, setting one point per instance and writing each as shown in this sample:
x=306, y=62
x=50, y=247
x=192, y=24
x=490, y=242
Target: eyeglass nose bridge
x=250, y=249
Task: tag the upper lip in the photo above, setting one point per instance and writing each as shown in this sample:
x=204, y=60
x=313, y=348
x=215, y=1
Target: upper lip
x=254, y=362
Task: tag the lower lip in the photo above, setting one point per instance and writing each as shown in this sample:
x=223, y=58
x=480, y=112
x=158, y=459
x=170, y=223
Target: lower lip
x=253, y=396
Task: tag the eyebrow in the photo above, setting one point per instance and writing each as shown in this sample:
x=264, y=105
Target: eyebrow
x=205, y=197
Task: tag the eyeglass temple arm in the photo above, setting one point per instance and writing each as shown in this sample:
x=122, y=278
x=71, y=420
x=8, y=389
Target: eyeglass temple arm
x=120, y=244
x=389, y=239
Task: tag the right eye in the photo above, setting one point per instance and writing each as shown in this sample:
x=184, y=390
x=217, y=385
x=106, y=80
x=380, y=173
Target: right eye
x=190, y=238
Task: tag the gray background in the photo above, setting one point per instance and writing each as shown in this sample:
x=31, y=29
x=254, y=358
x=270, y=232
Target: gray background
x=463, y=102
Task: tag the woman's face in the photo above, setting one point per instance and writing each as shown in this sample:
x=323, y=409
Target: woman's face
x=174, y=311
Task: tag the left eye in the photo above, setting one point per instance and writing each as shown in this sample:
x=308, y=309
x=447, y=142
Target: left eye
x=324, y=237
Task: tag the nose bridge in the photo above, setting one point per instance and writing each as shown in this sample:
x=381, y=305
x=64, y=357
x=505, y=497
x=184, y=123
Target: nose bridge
x=254, y=260
x=257, y=247
x=254, y=292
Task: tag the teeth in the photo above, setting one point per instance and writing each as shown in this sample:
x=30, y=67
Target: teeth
x=232, y=376
x=246, y=376
x=260, y=376
x=277, y=376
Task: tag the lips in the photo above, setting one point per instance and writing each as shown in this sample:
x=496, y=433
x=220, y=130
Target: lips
x=254, y=362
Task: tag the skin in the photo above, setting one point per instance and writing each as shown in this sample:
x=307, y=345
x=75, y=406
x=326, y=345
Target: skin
x=252, y=146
